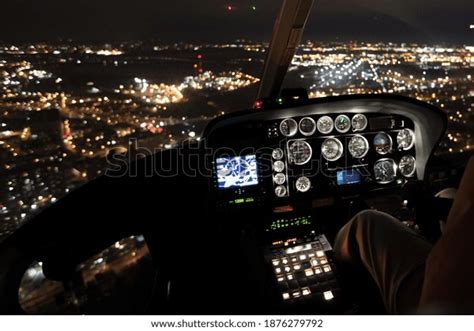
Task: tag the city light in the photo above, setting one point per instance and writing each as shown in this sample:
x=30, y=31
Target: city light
x=67, y=147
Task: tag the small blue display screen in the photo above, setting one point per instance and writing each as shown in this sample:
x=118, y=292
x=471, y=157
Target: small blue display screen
x=237, y=171
x=348, y=177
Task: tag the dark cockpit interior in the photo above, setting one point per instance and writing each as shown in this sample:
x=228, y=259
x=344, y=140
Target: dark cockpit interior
x=244, y=220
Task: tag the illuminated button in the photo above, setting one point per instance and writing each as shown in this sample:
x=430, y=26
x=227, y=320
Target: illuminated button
x=326, y=268
x=286, y=296
x=323, y=261
x=289, y=277
x=277, y=270
x=294, y=259
x=287, y=269
x=297, y=267
x=320, y=253
x=311, y=255
x=314, y=262
x=328, y=295
x=302, y=257
x=296, y=294
x=280, y=278
x=275, y=262
x=284, y=261
x=293, y=250
x=309, y=272
x=317, y=270
x=306, y=291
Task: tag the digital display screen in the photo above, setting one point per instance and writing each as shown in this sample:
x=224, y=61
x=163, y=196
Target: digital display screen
x=237, y=171
x=348, y=177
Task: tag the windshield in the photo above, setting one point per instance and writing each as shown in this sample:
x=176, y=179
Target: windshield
x=420, y=49
x=79, y=81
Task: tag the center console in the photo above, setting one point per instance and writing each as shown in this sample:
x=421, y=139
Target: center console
x=305, y=271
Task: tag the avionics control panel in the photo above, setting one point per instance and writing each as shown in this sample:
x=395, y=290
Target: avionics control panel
x=343, y=146
x=311, y=156
x=305, y=272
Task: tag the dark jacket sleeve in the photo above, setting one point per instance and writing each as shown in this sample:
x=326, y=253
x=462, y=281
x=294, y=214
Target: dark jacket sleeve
x=449, y=274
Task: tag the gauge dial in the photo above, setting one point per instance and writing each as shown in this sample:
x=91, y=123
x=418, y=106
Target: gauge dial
x=383, y=143
x=300, y=152
x=279, y=166
x=303, y=184
x=385, y=171
x=407, y=165
x=279, y=178
x=359, y=122
x=343, y=123
x=332, y=149
x=288, y=127
x=277, y=154
x=405, y=139
x=280, y=191
x=325, y=125
x=307, y=126
x=358, y=146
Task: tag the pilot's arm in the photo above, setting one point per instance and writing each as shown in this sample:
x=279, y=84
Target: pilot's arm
x=449, y=274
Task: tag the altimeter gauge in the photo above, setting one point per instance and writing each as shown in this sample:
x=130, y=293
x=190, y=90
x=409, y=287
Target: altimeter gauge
x=358, y=146
x=332, y=149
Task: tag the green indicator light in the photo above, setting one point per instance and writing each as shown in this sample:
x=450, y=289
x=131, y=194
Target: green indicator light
x=249, y=200
x=280, y=101
x=237, y=201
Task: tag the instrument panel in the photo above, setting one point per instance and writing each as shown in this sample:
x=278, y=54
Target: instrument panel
x=327, y=146
x=339, y=150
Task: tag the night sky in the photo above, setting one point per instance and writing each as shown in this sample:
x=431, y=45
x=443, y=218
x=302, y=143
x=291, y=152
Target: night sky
x=430, y=21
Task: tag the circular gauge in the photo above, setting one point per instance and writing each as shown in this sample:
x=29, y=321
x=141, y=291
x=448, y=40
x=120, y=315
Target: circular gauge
x=332, y=149
x=279, y=166
x=325, y=125
x=300, y=152
x=385, y=171
x=303, y=184
x=406, y=139
x=342, y=124
x=280, y=191
x=358, y=146
x=288, y=127
x=407, y=165
x=359, y=122
x=383, y=143
x=307, y=126
x=279, y=178
x=277, y=154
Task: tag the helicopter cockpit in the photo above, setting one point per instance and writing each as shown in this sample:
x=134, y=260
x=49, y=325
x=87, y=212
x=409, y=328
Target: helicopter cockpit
x=244, y=220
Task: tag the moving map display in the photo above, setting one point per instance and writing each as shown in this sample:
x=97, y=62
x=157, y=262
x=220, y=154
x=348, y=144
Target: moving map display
x=237, y=171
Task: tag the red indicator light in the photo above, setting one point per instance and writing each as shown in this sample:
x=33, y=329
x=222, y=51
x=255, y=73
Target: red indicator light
x=258, y=104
